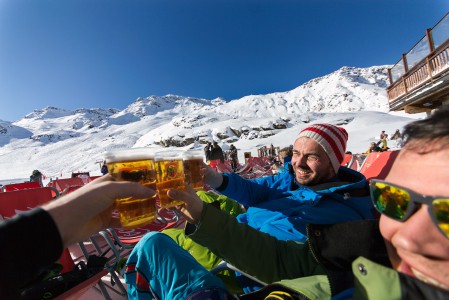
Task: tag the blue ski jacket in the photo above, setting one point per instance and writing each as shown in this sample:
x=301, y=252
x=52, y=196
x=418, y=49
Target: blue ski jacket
x=282, y=208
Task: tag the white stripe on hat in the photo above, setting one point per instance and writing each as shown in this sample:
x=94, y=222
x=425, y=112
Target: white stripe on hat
x=332, y=138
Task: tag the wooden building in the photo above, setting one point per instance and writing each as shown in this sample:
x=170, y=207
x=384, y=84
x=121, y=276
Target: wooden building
x=419, y=81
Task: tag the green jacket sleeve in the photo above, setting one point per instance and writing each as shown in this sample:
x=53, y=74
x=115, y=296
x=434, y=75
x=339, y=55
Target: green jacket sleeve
x=253, y=252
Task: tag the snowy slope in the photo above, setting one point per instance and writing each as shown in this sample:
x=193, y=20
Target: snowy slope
x=58, y=141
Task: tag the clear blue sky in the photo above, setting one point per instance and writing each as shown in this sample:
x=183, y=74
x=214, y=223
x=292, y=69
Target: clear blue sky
x=107, y=53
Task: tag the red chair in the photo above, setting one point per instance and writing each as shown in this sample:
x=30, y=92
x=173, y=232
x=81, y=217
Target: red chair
x=224, y=167
x=121, y=241
x=15, y=202
x=70, y=189
x=129, y=237
x=63, y=183
x=256, y=167
x=347, y=160
x=246, y=168
x=356, y=162
x=21, y=186
x=377, y=165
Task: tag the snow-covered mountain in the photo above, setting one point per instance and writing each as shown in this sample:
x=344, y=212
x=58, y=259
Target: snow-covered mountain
x=58, y=141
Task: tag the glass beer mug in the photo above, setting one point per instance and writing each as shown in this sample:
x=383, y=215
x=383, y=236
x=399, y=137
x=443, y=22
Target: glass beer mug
x=136, y=165
x=170, y=175
x=193, y=163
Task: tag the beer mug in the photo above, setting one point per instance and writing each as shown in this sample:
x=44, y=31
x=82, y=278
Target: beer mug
x=193, y=163
x=170, y=175
x=136, y=165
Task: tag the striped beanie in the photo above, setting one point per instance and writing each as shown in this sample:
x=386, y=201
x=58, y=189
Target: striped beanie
x=332, y=138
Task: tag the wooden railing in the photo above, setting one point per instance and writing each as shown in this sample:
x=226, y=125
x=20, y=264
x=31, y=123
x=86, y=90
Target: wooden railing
x=428, y=70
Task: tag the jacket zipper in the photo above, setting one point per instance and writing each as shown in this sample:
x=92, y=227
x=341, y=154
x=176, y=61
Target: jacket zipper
x=312, y=250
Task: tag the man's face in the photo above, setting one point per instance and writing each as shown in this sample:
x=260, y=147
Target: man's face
x=310, y=162
x=416, y=247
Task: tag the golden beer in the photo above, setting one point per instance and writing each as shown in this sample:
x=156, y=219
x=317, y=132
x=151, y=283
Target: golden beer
x=136, y=165
x=170, y=175
x=193, y=163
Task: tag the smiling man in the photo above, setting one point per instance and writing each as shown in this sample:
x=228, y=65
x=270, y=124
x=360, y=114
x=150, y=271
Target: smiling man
x=315, y=190
x=407, y=259
x=311, y=163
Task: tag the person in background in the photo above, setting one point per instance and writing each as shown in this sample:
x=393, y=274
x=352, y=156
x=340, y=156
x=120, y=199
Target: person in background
x=45, y=231
x=373, y=148
x=207, y=151
x=104, y=168
x=233, y=155
x=383, y=140
x=216, y=152
x=397, y=136
x=272, y=151
x=36, y=175
x=285, y=157
x=404, y=256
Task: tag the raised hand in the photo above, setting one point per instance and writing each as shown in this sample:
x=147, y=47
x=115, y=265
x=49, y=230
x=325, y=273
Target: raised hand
x=211, y=177
x=192, y=208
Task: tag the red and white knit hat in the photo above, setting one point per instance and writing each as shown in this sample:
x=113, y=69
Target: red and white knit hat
x=332, y=138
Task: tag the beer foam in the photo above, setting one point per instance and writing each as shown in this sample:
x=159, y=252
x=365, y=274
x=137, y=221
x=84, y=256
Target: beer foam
x=168, y=155
x=131, y=154
x=192, y=154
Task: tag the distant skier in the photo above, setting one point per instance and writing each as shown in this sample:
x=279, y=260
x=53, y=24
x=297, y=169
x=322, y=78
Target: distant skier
x=207, y=151
x=104, y=168
x=383, y=140
x=36, y=176
x=374, y=147
x=233, y=157
x=398, y=137
x=216, y=153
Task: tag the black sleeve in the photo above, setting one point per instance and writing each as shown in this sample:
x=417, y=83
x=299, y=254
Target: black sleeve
x=336, y=246
x=30, y=242
x=224, y=184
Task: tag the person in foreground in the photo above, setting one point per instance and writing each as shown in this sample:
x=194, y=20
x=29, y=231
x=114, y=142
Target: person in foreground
x=407, y=259
x=34, y=240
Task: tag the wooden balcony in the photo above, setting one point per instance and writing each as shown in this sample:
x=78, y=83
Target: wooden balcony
x=424, y=86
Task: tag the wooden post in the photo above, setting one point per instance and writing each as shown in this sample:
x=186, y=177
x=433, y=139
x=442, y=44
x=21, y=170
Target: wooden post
x=429, y=68
x=389, y=76
x=404, y=61
x=430, y=40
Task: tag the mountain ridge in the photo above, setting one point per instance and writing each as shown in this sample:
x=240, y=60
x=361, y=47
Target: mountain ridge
x=188, y=122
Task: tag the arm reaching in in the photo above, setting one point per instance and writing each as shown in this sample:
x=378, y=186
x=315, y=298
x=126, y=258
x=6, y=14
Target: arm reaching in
x=88, y=210
x=211, y=177
x=192, y=209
